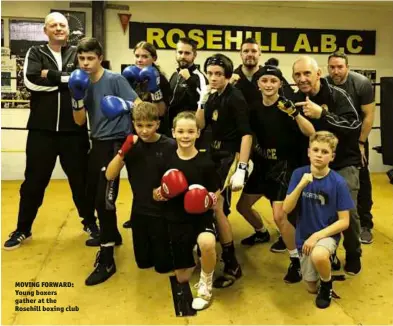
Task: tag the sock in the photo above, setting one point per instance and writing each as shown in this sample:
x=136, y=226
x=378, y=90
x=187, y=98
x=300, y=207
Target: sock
x=228, y=247
x=327, y=279
x=109, y=244
x=293, y=253
x=207, y=277
x=262, y=229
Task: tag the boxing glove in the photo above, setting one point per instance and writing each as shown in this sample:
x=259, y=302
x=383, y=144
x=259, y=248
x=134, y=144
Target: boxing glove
x=113, y=106
x=78, y=83
x=152, y=76
x=288, y=107
x=173, y=183
x=198, y=200
x=131, y=73
x=127, y=145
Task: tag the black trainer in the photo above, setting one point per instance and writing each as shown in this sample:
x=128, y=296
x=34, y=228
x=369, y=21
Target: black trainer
x=352, y=264
x=104, y=267
x=95, y=242
x=294, y=274
x=278, y=246
x=324, y=296
x=231, y=274
x=92, y=230
x=16, y=239
x=257, y=237
x=127, y=224
x=335, y=262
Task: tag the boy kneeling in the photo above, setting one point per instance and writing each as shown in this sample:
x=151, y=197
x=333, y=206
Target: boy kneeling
x=323, y=214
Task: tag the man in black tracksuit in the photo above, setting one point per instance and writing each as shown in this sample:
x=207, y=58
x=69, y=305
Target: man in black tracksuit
x=187, y=81
x=52, y=130
x=331, y=108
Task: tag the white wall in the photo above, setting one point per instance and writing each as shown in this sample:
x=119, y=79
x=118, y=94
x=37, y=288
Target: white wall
x=333, y=15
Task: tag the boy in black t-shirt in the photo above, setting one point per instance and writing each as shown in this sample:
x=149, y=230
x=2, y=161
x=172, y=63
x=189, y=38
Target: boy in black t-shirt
x=224, y=108
x=278, y=128
x=189, y=214
x=149, y=151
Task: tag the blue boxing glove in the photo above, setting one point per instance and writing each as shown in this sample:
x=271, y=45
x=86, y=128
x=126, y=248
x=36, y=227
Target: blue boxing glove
x=131, y=73
x=78, y=83
x=152, y=76
x=113, y=107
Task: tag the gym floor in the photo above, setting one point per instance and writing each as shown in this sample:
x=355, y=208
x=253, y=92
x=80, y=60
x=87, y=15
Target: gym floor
x=57, y=254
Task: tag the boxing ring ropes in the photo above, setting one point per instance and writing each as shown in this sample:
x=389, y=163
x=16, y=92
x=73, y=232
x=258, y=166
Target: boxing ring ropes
x=378, y=149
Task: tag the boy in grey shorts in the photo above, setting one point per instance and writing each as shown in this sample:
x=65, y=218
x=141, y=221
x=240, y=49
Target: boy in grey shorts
x=324, y=202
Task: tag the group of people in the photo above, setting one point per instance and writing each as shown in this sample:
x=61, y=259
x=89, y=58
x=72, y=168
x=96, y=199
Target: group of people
x=301, y=150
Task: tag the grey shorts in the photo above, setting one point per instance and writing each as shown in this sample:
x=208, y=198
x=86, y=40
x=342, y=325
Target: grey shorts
x=309, y=272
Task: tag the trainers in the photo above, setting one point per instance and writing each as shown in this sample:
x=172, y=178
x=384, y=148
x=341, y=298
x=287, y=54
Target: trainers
x=96, y=242
x=366, y=236
x=257, y=237
x=294, y=274
x=127, y=224
x=335, y=262
x=92, y=230
x=324, y=296
x=204, y=295
x=15, y=239
x=352, y=264
x=278, y=246
x=104, y=267
x=229, y=277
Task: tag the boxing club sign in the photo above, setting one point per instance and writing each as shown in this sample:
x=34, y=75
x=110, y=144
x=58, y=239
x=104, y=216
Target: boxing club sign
x=274, y=40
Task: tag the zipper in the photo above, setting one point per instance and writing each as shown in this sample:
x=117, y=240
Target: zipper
x=58, y=93
x=174, y=91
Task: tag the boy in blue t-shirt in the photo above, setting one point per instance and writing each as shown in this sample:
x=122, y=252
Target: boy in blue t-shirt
x=324, y=207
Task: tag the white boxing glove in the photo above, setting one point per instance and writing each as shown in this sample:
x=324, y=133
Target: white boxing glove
x=204, y=95
x=237, y=180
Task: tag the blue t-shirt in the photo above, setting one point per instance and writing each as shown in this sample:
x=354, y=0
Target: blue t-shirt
x=319, y=203
x=101, y=128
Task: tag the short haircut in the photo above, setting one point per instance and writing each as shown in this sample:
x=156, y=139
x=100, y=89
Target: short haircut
x=190, y=115
x=325, y=137
x=187, y=40
x=54, y=15
x=89, y=44
x=222, y=61
x=249, y=40
x=339, y=54
x=145, y=111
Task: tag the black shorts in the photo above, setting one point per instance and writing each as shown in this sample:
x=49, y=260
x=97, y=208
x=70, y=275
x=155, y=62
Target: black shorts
x=269, y=178
x=183, y=238
x=151, y=242
x=225, y=163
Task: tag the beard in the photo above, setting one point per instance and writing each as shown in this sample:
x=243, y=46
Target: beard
x=183, y=64
x=250, y=65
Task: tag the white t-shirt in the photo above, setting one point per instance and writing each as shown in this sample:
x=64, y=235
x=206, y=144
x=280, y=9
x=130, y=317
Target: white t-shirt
x=57, y=56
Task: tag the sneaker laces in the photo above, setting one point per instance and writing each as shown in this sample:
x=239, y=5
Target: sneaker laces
x=98, y=256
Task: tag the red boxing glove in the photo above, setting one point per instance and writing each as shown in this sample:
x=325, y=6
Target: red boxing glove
x=127, y=145
x=198, y=200
x=173, y=183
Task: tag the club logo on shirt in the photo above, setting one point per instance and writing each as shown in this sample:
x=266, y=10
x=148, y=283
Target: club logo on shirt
x=215, y=115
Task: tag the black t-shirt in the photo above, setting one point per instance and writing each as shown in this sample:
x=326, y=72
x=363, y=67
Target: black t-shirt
x=145, y=162
x=228, y=115
x=278, y=135
x=198, y=170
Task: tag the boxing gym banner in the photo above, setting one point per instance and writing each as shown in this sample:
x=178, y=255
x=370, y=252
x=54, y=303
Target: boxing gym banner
x=274, y=40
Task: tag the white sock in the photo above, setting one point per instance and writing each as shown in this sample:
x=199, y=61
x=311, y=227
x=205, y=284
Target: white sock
x=109, y=244
x=293, y=253
x=207, y=277
x=262, y=229
x=327, y=279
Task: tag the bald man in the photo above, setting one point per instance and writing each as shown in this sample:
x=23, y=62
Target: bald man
x=52, y=130
x=330, y=108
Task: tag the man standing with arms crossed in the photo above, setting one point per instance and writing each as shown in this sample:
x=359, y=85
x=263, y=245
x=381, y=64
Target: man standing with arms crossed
x=361, y=92
x=52, y=130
